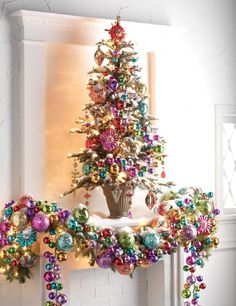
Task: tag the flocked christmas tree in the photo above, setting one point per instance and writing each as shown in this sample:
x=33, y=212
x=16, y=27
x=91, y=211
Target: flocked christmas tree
x=123, y=149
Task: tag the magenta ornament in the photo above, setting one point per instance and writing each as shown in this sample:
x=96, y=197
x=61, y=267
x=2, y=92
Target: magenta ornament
x=40, y=222
x=109, y=140
x=49, y=276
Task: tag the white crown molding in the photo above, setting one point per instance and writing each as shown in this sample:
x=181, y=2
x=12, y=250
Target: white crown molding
x=58, y=28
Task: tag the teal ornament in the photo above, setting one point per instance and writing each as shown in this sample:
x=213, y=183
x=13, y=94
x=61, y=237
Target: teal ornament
x=8, y=212
x=183, y=191
x=64, y=242
x=81, y=214
x=86, y=168
x=143, y=108
x=71, y=223
x=126, y=238
x=26, y=237
x=150, y=239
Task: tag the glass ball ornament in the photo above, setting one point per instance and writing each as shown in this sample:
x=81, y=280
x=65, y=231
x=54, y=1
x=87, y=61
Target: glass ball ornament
x=61, y=256
x=150, y=239
x=40, y=222
x=86, y=168
x=61, y=299
x=189, y=232
x=81, y=214
x=19, y=219
x=104, y=260
x=126, y=239
x=64, y=242
x=125, y=268
x=28, y=260
x=186, y=293
x=143, y=108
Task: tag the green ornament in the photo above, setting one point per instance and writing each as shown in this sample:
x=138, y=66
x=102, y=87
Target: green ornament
x=186, y=293
x=81, y=214
x=203, y=206
x=126, y=239
x=47, y=209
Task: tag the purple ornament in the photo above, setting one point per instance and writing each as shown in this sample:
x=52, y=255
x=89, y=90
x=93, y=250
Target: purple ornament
x=57, y=267
x=52, y=259
x=52, y=295
x=61, y=299
x=199, y=278
x=66, y=214
x=40, y=222
x=154, y=258
x=134, y=258
x=49, y=277
x=191, y=280
x=194, y=302
x=216, y=211
x=113, y=84
x=126, y=259
x=187, y=303
x=30, y=212
x=30, y=204
x=198, y=244
x=105, y=261
x=189, y=232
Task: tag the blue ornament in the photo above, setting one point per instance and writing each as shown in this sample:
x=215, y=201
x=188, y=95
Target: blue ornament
x=143, y=108
x=64, y=242
x=150, y=239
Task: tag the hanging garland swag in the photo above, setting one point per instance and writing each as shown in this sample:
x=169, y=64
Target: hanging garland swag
x=185, y=218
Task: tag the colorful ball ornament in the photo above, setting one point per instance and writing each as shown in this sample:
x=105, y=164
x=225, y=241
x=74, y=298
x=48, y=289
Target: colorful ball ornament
x=126, y=238
x=64, y=242
x=40, y=222
x=150, y=239
x=189, y=232
x=19, y=219
x=81, y=213
x=28, y=259
x=125, y=268
x=104, y=260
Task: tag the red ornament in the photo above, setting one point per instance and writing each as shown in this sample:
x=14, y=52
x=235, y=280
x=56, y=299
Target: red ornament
x=46, y=240
x=100, y=163
x=118, y=262
x=163, y=174
x=36, y=210
x=202, y=286
x=125, y=268
x=116, y=122
x=192, y=269
x=107, y=232
x=48, y=286
x=14, y=263
x=161, y=209
x=120, y=105
x=123, y=129
x=90, y=142
x=116, y=32
x=16, y=208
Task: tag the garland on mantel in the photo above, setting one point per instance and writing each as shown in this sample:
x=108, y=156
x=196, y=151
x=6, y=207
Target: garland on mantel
x=185, y=219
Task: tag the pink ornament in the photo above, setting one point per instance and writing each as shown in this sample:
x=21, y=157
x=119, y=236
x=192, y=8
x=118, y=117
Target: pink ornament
x=205, y=225
x=189, y=232
x=132, y=171
x=40, y=222
x=109, y=140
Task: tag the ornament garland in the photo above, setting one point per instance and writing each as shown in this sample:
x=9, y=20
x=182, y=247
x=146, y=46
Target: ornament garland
x=186, y=219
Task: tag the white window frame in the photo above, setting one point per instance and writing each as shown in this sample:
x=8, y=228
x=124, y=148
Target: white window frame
x=221, y=113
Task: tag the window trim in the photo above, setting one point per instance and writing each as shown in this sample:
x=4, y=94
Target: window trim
x=221, y=111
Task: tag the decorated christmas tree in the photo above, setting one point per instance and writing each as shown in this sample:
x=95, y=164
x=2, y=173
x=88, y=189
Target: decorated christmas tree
x=123, y=149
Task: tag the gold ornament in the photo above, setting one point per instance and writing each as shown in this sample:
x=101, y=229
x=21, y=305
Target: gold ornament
x=216, y=241
x=114, y=169
x=99, y=56
x=141, y=89
x=19, y=219
x=62, y=256
x=54, y=220
x=131, y=127
x=95, y=177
